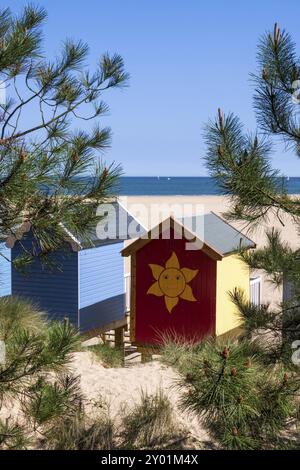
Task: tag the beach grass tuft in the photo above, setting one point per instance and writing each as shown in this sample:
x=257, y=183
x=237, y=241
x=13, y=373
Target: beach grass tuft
x=109, y=356
x=180, y=353
x=150, y=423
x=78, y=433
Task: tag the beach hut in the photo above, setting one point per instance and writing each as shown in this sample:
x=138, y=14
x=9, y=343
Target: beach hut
x=181, y=273
x=5, y=269
x=84, y=281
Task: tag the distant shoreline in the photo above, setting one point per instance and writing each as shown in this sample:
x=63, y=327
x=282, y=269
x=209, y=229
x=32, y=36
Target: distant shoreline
x=183, y=186
x=190, y=176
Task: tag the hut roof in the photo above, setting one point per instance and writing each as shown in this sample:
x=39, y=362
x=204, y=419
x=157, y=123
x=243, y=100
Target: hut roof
x=217, y=233
x=117, y=224
x=216, y=237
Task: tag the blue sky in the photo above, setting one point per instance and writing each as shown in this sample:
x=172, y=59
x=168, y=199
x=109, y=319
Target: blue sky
x=186, y=58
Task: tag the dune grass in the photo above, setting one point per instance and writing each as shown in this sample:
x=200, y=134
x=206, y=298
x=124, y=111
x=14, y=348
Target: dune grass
x=16, y=313
x=150, y=423
x=181, y=354
x=109, y=356
x=80, y=433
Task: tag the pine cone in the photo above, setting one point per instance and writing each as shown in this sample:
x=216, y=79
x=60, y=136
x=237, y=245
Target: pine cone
x=22, y=155
x=104, y=175
x=240, y=399
x=265, y=74
x=225, y=353
x=235, y=431
x=74, y=156
x=189, y=377
x=286, y=377
x=233, y=371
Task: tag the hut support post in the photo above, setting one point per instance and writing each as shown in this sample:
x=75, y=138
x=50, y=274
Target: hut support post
x=119, y=337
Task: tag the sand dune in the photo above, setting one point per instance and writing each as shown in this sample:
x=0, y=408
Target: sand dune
x=120, y=388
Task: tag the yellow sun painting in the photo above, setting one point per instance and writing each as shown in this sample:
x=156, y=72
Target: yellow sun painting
x=171, y=281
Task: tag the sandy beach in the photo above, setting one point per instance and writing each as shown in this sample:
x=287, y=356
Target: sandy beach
x=121, y=388
x=117, y=390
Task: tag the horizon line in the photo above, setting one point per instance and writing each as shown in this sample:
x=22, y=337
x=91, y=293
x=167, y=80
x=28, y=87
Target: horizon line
x=188, y=176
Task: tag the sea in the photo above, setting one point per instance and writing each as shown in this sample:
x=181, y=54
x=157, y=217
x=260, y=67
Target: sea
x=183, y=185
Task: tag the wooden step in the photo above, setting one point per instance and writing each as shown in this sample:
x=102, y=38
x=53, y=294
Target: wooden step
x=132, y=359
x=130, y=350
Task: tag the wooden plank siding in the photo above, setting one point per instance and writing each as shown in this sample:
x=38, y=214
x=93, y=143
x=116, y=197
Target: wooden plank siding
x=101, y=273
x=232, y=273
x=86, y=286
x=102, y=290
x=5, y=270
x=55, y=290
x=192, y=320
x=133, y=298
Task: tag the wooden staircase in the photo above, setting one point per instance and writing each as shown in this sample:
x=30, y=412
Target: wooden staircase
x=131, y=354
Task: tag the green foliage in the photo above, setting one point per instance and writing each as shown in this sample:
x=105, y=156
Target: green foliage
x=241, y=166
x=16, y=314
x=275, y=329
x=277, y=258
x=244, y=403
x=50, y=400
x=278, y=391
x=149, y=424
x=279, y=67
x=43, y=189
x=109, y=357
x=180, y=354
x=46, y=401
x=32, y=374
x=60, y=340
x=13, y=436
x=77, y=432
x=29, y=354
x=44, y=164
x=240, y=163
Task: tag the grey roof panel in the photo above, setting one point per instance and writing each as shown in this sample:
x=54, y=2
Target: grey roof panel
x=217, y=233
